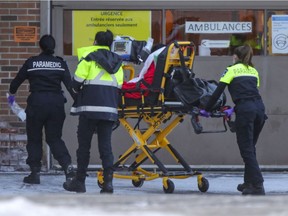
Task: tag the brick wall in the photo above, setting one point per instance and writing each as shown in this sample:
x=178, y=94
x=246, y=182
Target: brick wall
x=12, y=56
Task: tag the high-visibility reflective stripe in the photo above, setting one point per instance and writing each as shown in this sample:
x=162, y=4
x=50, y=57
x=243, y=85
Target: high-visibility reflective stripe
x=100, y=82
x=246, y=75
x=78, y=79
x=94, y=109
x=33, y=69
x=97, y=80
x=99, y=75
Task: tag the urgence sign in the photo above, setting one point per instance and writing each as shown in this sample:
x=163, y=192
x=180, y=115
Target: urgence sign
x=86, y=24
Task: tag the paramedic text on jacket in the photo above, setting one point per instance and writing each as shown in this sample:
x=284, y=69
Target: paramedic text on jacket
x=45, y=107
x=97, y=81
x=243, y=82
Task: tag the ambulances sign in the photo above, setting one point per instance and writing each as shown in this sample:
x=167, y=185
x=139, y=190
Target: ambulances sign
x=218, y=27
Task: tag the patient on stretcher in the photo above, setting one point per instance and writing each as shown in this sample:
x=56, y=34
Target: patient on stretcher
x=190, y=92
x=146, y=75
x=150, y=91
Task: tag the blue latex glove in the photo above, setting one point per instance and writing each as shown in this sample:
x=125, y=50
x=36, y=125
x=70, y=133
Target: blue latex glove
x=229, y=112
x=204, y=113
x=11, y=99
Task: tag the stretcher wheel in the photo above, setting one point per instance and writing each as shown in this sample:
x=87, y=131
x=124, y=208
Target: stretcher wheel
x=203, y=185
x=170, y=186
x=138, y=183
x=100, y=184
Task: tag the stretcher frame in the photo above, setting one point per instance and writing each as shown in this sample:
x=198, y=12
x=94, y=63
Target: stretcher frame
x=171, y=113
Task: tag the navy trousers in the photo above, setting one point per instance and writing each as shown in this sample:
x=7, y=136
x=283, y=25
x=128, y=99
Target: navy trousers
x=250, y=119
x=45, y=110
x=86, y=129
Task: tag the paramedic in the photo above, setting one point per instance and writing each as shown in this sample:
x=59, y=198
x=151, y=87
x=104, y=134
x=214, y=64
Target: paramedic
x=45, y=107
x=97, y=81
x=254, y=38
x=243, y=82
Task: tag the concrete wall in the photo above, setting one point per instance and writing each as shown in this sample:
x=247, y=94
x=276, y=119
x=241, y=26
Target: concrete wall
x=216, y=148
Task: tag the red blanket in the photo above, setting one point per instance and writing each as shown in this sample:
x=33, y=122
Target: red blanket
x=148, y=78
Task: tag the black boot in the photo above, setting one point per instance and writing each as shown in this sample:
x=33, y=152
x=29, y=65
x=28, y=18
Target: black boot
x=108, y=178
x=69, y=172
x=242, y=186
x=34, y=177
x=257, y=189
x=76, y=184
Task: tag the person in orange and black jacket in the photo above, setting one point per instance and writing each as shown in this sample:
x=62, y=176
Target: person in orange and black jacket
x=97, y=81
x=243, y=82
x=45, y=107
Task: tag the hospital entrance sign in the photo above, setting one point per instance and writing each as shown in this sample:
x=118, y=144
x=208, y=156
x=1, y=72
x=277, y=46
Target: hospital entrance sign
x=135, y=24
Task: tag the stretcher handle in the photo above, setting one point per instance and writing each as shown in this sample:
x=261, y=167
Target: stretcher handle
x=198, y=128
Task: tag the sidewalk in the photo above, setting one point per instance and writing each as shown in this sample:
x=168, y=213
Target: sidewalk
x=222, y=198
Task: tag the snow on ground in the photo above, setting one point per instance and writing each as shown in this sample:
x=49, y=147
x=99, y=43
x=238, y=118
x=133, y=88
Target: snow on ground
x=20, y=206
x=219, y=183
x=222, y=198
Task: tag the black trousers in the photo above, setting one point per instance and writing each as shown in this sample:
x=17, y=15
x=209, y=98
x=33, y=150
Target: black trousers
x=46, y=111
x=250, y=119
x=86, y=129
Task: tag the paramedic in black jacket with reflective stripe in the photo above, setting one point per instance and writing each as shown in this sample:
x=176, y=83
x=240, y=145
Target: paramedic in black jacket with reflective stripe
x=45, y=107
x=97, y=80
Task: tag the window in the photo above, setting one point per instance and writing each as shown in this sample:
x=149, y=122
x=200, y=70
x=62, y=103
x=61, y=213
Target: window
x=225, y=30
x=217, y=32
x=67, y=32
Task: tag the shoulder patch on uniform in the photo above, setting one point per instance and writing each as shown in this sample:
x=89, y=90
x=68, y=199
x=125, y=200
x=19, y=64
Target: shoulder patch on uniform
x=224, y=72
x=31, y=57
x=60, y=58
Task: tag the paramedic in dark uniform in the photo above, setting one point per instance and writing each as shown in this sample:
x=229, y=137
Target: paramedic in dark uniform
x=243, y=82
x=97, y=81
x=45, y=107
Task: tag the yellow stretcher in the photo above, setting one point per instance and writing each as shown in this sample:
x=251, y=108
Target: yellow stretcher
x=161, y=116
